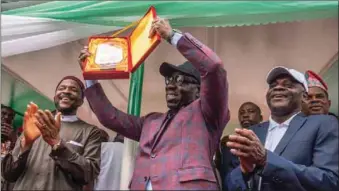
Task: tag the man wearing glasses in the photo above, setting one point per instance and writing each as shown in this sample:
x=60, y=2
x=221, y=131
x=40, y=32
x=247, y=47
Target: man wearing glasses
x=176, y=148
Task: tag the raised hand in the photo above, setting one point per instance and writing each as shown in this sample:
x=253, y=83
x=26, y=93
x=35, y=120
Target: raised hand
x=162, y=27
x=30, y=130
x=49, y=126
x=84, y=53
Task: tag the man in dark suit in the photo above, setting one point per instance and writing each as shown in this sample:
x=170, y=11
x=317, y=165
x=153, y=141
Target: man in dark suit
x=249, y=114
x=176, y=147
x=291, y=151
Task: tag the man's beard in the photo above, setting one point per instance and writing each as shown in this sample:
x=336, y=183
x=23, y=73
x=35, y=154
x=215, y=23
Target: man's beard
x=66, y=111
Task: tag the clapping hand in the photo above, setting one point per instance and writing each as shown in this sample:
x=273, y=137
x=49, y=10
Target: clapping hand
x=246, y=145
x=30, y=130
x=49, y=126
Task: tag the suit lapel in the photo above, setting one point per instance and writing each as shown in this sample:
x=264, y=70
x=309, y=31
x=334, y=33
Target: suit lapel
x=261, y=131
x=294, y=126
x=159, y=125
x=156, y=124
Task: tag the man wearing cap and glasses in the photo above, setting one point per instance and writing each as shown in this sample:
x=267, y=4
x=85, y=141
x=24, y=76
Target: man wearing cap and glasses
x=176, y=148
x=291, y=151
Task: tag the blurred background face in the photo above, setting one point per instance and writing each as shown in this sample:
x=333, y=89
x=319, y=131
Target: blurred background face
x=7, y=115
x=249, y=114
x=317, y=102
x=68, y=97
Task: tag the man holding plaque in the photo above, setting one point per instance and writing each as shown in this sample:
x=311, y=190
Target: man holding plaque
x=176, y=148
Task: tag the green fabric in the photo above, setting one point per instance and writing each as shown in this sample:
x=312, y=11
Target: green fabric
x=16, y=94
x=183, y=14
x=135, y=91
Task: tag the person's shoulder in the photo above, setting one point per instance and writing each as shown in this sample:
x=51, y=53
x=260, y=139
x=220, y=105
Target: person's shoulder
x=323, y=123
x=321, y=118
x=86, y=126
x=259, y=125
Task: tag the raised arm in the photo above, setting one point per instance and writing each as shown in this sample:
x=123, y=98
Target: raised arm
x=127, y=125
x=214, y=85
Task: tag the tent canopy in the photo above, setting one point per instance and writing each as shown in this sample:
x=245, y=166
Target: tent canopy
x=182, y=14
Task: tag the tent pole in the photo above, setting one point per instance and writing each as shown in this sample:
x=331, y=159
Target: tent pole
x=134, y=107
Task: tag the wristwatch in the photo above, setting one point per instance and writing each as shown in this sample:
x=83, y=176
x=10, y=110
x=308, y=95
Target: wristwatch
x=169, y=39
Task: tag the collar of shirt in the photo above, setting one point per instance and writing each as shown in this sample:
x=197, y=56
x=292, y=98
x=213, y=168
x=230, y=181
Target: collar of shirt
x=274, y=124
x=69, y=118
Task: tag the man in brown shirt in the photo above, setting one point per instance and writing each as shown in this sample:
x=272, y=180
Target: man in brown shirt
x=55, y=153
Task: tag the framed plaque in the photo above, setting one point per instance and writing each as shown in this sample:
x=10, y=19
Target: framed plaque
x=117, y=57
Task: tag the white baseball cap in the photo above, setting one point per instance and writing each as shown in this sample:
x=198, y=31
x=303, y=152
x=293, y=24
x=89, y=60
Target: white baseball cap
x=279, y=70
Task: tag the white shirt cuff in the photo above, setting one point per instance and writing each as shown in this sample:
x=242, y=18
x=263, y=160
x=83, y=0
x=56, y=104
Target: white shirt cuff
x=90, y=83
x=175, y=39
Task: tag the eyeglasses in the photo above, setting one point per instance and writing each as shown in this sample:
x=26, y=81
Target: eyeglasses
x=180, y=79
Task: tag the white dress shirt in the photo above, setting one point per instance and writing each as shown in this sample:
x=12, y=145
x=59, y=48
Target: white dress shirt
x=275, y=132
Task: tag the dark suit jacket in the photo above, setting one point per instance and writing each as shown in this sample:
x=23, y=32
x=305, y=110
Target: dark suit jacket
x=225, y=162
x=306, y=158
x=181, y=156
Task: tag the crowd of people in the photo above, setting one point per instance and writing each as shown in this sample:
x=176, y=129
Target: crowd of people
x=295, y=149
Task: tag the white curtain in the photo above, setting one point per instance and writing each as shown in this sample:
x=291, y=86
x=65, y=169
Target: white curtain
x=26, y=34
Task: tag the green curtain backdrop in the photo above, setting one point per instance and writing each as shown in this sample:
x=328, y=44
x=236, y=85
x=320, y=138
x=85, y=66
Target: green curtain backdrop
x=183, y=14
x=16, y=94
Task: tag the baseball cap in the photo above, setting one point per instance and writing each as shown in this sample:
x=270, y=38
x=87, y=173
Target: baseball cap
x=167, y=69
x=281, y=70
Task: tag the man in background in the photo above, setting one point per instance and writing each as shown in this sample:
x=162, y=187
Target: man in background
x=317, y=101
x=8, y=133
x=8, y=138
x=248, y=114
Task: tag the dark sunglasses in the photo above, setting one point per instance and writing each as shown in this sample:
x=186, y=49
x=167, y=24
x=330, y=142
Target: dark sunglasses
x=180, y=79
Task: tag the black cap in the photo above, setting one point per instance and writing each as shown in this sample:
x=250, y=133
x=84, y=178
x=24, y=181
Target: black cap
x=167, y=69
